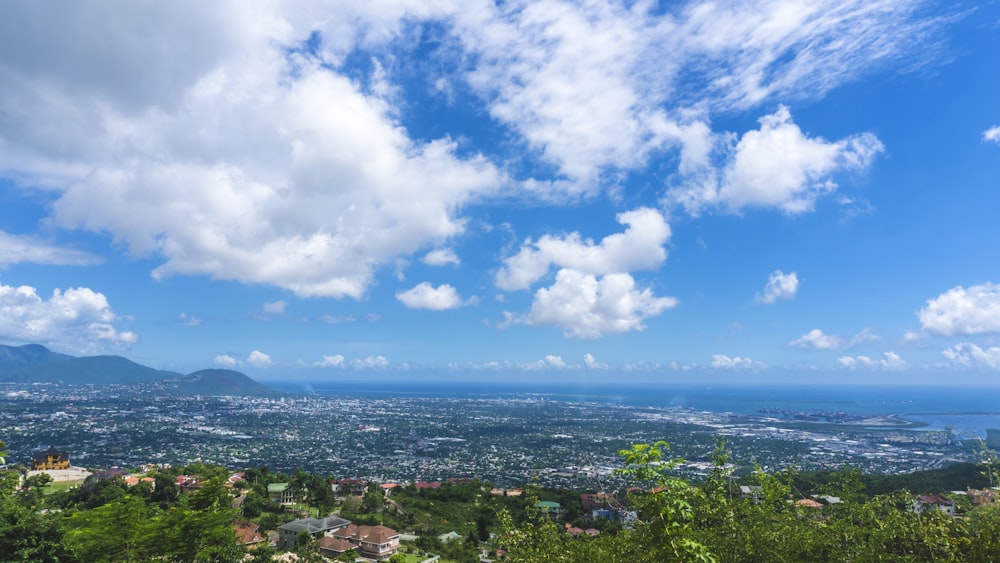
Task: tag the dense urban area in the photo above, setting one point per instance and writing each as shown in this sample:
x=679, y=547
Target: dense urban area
x=134, y=473
x=508, y=441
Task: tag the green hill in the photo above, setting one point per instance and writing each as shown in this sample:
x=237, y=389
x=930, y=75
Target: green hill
x=88, y=370
x=214, y=382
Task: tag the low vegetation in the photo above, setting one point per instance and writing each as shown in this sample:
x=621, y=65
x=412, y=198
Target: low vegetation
x=787, y=516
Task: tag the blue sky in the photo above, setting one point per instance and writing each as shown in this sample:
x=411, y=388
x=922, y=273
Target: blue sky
x=686, y=191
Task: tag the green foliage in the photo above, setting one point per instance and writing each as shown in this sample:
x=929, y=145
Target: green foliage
x=26, y=535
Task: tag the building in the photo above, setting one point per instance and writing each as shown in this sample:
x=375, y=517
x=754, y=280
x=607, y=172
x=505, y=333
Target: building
x=247, y=533
x=288, y=534
x=924, y=503
x=280, y=493
x=49, y=459
x=374, y=542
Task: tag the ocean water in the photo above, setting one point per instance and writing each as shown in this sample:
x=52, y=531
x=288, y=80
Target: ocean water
x=967, y=410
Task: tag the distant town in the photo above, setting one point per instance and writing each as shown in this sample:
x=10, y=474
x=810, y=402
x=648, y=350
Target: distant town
x=508, y=442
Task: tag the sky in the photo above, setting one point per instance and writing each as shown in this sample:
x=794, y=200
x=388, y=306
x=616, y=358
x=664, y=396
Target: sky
x=803, y=191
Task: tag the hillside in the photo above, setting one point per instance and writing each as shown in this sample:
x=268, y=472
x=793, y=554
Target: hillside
x=15, y=357
x=35, y=363
x=214, y=382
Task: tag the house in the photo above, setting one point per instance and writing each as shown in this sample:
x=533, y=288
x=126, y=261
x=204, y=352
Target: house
x=808, y=503
x=753, y=492
x=247, y=533
x=349, y=487
x=421, y=485
x=288, y=534
x=981, y=497
x=590, y=501
x=49, y=459
x=187, y=483
x=552, y=509
x=333, y=547
x=374, y=542
x=280, y=493
x=934, y=501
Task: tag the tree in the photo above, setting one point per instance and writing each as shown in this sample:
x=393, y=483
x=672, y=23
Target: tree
x=120, y=530
x=28, y=536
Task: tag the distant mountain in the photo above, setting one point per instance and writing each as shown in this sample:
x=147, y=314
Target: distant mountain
x=14, y=357
x=87, y=370
x=214, y=382
x=35, y=363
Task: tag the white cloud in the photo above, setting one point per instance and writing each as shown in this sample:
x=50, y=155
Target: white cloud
x=426, y=296
x=371, y=362
x=334, y=361
x=259, y=359
x=640, y=247
x=337, y=319
x=24, y=249
x=723, y=361
x=962, y=312
x=992, y=134
x=596, y=87
x=226, y=360
x=592, y=363
x=241, y=153
x=779, y=286
x=555, y=361
x=189, y=320
x=441, y=257
x=234, y=154
x=968, y=355
x=890, y=361
x=776, y=166
x=587, y=307
x=817, y=340
x=77, y=319
x=275, y=307
x=864, y=336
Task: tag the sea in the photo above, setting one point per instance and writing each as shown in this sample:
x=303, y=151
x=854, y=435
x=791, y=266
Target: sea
x=968, y=411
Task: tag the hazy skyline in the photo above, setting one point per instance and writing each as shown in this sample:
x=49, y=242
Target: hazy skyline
x=688, y=190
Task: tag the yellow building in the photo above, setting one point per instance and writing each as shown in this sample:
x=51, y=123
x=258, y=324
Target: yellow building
x=49, y=459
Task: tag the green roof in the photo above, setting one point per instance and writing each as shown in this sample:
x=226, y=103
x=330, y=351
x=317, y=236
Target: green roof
x=548, y=504
x=277, y=487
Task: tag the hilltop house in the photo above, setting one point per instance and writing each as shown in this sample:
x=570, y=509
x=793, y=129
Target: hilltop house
x=934, y=502
x=374, y=542
x=280, y=493
x=288, y=534
x=49, y=459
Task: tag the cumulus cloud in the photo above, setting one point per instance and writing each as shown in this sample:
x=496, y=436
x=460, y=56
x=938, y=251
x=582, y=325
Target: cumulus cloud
x=597, y=87
x=640, y=247
x=441, y=257
x=76, y=319
x=817, y=340
x=24, y=249
x=426, y=296
x=968, y=355
x=371, y=362
x=249, y=151
x=889, y=361
x=963, y=311
x=776, y=166
x=275, y=307
x=259, y=359
x=992, y=134
x=334, y=361
x=779, y=286
x=723, y=361
x=592, y=363
x=588, y=307
x=555, y=361
x=226, y=360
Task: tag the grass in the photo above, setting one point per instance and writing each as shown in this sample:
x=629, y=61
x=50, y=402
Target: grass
x=60, y=486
